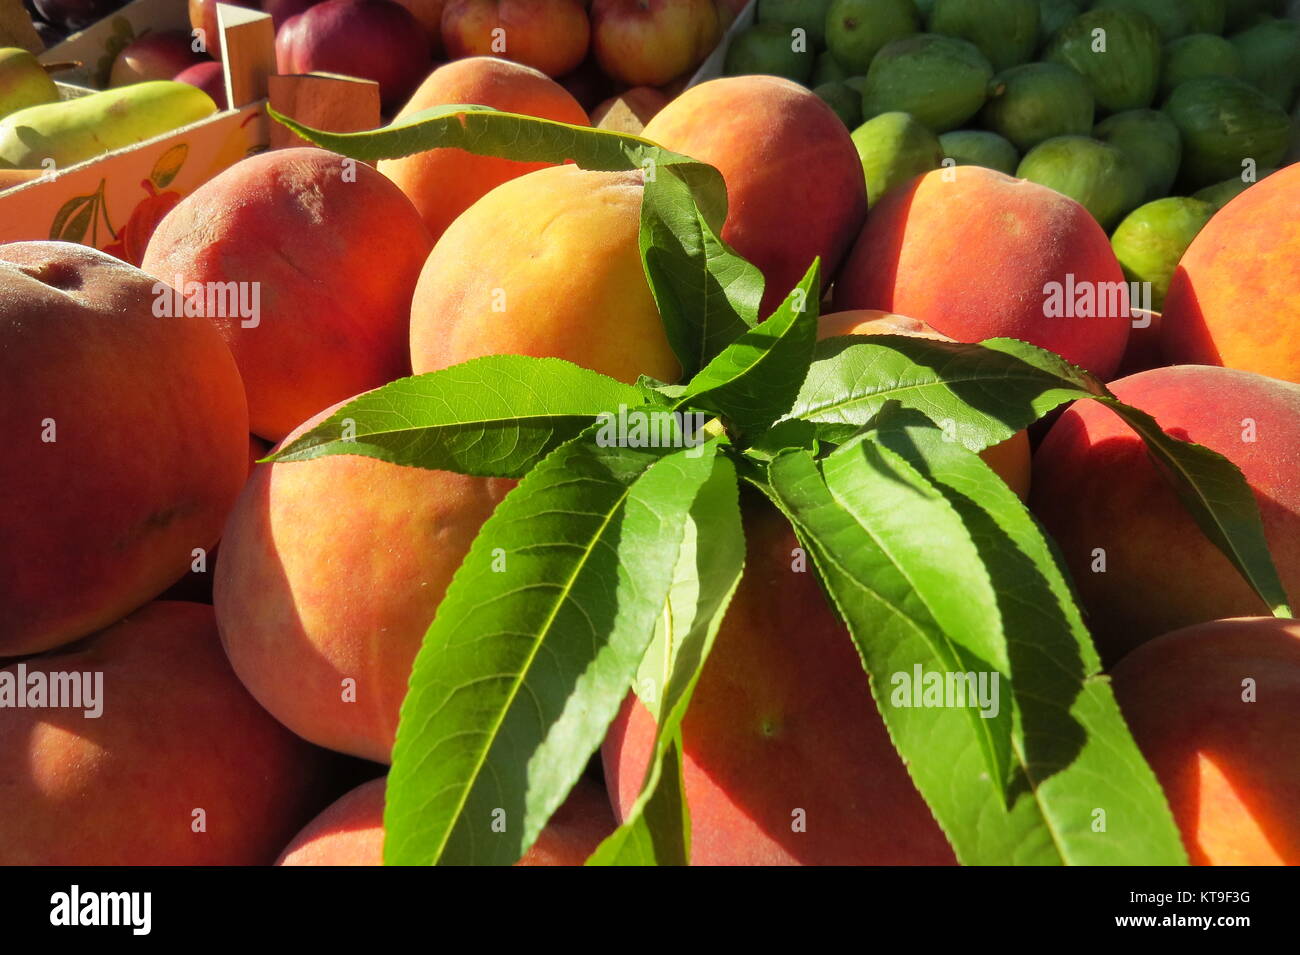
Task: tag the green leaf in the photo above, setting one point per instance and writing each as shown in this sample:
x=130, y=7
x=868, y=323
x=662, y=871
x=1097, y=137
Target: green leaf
x=1074, y=752
x=753, y=381
x=657, y=829
x=534, y=648
x=707, y=293
x=495, y=416
x=73, y=218
x=168, y=165
x=1213, y=489
x=489, y=132
x=1071, y=751
x=981, y=394
x=898, y=552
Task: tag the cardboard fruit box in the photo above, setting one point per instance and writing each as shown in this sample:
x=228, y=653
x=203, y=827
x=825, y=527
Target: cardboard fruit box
x=113, y=201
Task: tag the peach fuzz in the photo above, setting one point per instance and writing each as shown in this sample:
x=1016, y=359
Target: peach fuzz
x=794, y=180
x=1214, y=709
x=181, y=767
x=1235, y=297
x=331, y=250
x=128, y=438
x=331, y=571
x=546, y=265
x=443, y=183
x=1098, y=492
x=351, y=831
x=975, y=254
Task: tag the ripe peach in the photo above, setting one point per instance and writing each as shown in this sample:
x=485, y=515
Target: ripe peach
x=127, y=442
x=503, y=280
x=443, y=183
x=782, y=729
x=331, y=571
x=1009, y=458
x=326, y=249
x=549, y=35
x=794, y=179
x=181, y=767
x=978, y=255
x=1235, y=298
x=1100, y=495
x=351, y=831
x=1214, y=709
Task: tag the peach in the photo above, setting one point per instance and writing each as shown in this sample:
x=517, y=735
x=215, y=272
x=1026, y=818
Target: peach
x=794, y=179
x=1235, y=297
x=1214, y=709
x=1141, y=565
x=351, y=831
x=546, y=265
x=323, y=253
x=331, y=571
x=976, y=255
x=443, y=183
x=127, y=442
x=650, y=42
x=549, y=35
x=782, y=727
x=1009, y=458
x=180, y=767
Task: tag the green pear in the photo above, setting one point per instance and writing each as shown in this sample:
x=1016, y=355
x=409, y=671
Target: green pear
x=75, y=130
x=23, y=81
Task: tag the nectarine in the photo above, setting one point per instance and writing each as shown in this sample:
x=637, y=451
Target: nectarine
x=548, y=35
x=650, y=42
